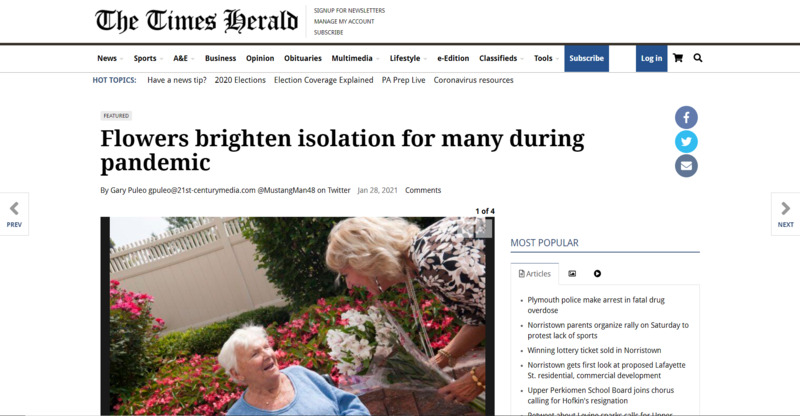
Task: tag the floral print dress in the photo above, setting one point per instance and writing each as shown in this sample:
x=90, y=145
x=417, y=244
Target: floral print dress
x=451, y=262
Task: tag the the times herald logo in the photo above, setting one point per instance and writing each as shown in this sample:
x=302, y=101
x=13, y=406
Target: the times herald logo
x=166, y=20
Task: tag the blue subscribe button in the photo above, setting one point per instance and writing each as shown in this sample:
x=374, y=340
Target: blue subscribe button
x=585, y=58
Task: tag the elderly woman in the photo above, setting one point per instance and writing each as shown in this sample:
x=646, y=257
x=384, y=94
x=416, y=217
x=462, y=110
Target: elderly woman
x=446, y=258
x=249, y=359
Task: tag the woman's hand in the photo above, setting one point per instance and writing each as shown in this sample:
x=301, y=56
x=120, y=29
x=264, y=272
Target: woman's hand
x=464, y=390
x=440, y=360
x=467, y=337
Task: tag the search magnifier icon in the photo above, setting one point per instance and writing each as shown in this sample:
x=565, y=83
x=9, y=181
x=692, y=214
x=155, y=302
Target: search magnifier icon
x=697, y=57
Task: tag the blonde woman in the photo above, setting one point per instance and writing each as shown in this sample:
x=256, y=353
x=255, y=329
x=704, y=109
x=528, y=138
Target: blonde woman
x=446, y=258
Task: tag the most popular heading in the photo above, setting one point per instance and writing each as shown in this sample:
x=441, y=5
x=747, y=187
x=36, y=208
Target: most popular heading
x=166, y=20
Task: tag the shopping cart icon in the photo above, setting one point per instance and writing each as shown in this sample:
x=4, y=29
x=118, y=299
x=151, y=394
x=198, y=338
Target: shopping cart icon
x=678, y=57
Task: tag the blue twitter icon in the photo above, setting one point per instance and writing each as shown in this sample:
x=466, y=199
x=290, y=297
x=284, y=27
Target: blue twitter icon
x=686, y=141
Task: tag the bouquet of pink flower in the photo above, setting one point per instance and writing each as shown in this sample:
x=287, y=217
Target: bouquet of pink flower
x=375, y=351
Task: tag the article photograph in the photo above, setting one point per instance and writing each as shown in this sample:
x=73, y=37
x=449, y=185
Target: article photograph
x=298, y=315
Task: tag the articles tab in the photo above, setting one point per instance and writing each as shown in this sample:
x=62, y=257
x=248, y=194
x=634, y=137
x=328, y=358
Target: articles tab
x=586, y=58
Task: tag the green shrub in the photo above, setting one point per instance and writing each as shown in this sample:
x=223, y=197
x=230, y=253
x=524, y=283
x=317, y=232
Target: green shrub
x=170, y=345
x=263, y=316
x=208, y=340
x=132, y=331
x=292, y=250
x=194, y=385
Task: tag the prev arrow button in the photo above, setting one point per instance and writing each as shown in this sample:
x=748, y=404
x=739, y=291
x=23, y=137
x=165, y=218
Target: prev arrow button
x=13, y=208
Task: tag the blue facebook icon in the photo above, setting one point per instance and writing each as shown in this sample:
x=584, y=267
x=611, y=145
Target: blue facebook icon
x=686, y=117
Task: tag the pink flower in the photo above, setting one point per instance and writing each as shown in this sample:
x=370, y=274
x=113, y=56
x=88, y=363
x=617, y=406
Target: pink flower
x=144, y=296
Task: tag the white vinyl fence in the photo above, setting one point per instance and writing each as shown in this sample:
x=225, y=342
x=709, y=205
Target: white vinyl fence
x=197, y=274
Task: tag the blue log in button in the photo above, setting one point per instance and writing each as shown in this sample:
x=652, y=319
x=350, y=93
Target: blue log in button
x=651, y=58
x=584, y=58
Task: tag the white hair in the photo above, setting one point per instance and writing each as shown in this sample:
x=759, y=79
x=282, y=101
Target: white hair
x=243, y=337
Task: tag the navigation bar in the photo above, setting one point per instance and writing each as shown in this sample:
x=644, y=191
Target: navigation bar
x=411, y=58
